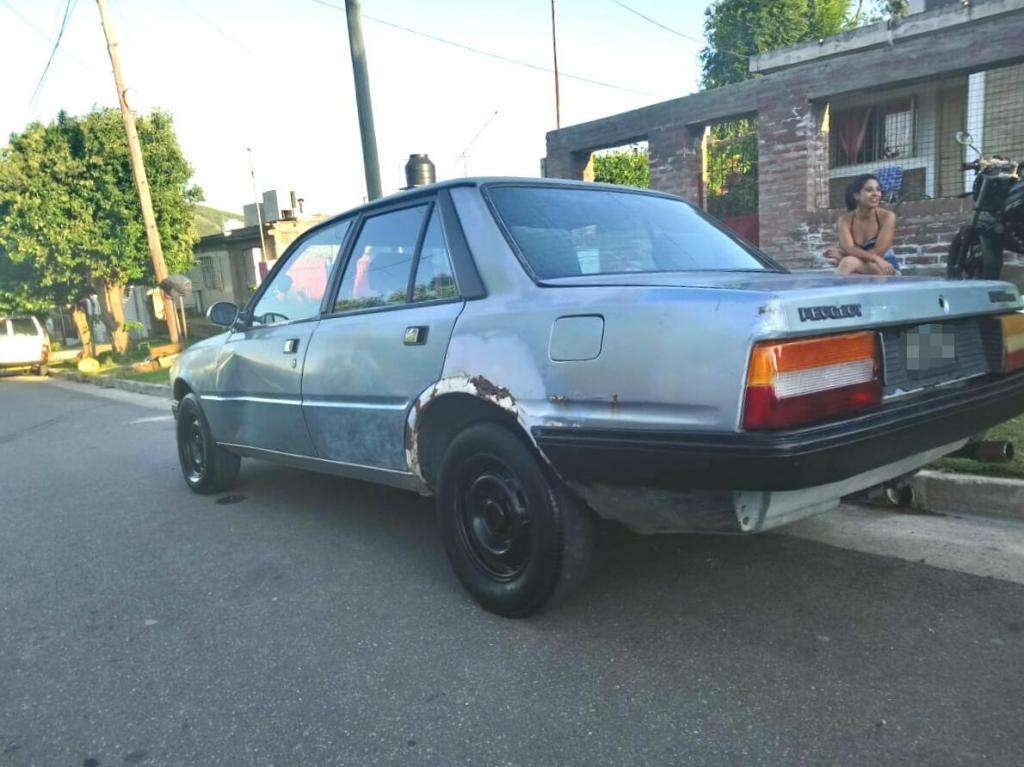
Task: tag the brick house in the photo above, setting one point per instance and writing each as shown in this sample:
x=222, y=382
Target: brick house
x=875, y=99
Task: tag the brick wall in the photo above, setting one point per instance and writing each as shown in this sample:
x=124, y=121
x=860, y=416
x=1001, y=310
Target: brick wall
x=924, y=230
x=796, y=220
x=675, y=157
x=792, y=175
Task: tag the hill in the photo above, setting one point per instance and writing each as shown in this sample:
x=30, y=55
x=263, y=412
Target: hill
x=211, y=221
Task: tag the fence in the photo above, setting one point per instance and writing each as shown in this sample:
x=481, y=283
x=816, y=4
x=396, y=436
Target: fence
x=907, y=136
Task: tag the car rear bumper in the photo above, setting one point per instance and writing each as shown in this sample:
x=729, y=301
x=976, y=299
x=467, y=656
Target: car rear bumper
x=789, y=460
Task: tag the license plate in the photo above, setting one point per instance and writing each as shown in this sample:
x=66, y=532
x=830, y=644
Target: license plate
x=931, y=349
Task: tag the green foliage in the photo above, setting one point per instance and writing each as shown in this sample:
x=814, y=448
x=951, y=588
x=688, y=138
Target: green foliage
x=893, y=10
x=211, y=221
x=630, y=167
x=69, y=212
x=731, y=180
x=738, y=29
x=20, y=289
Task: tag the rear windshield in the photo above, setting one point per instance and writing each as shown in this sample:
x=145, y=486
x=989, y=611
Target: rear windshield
x=569, y=232
x=23, y=326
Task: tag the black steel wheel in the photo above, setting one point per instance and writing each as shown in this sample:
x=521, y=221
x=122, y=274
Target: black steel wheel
x=207, y=467
x=514, y=537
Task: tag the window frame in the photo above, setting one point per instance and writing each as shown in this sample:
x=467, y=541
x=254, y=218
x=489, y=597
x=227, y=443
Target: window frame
x=432, y=204
x=245, y=319
x=879, y=120
x=770, y=264
x=410, y=294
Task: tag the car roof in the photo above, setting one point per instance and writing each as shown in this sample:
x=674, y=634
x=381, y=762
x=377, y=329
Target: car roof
x=410, y=194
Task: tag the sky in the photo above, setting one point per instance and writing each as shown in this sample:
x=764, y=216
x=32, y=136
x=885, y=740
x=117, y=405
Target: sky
x=275, y=76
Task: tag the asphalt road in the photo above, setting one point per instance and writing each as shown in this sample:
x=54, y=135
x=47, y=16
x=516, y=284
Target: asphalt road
x=311, y=620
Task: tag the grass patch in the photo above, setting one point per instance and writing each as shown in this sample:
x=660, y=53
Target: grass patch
x=161, y=376
x=1012, y=431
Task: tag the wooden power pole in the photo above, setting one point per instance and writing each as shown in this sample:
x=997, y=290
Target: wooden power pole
x=139, y=173
x=554, y=50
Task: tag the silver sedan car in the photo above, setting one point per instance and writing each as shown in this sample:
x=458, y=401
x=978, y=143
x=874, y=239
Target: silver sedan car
x=535, y=352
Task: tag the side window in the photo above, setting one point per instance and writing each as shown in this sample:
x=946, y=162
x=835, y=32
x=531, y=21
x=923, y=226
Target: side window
x=377, y=273
x=434, y=277
x=297, y=290
x=24, y=326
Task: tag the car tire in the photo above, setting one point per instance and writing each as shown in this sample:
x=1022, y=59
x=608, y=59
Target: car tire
x=516, y=539
x=207, y=467
x=40, y=370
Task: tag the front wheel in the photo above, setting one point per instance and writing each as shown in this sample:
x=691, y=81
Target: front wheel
x=514, y=537
x=207, y=467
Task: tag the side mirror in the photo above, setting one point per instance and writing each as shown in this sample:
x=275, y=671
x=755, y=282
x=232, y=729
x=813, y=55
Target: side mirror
x=222, y=313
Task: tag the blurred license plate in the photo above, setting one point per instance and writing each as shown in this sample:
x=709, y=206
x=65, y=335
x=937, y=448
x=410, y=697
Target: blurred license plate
x=931, y=349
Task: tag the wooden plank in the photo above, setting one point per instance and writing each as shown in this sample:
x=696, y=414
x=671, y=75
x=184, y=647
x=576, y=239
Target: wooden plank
x=155, y=352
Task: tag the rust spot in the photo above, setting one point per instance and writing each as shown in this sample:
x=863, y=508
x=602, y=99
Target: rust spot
x=487, y=389
x=559, y=399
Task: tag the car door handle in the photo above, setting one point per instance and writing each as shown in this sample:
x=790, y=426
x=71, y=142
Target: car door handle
x=416, y=336
x=291, y=346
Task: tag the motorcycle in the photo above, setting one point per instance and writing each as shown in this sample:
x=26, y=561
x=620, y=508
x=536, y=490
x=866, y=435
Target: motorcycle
x=976, y=251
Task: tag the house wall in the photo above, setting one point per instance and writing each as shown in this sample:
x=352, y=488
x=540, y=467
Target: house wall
x=930, y=54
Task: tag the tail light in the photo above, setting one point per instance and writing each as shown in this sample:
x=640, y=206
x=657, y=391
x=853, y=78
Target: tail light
x=1013, y=341
x=796, y=382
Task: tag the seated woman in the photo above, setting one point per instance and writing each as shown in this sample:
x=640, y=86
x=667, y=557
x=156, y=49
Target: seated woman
x=866, y=233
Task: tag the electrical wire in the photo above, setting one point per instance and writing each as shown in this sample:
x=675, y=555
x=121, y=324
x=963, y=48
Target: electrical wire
x=41, y=33
x=685, y=36
x=56, y=44
x=215, y=27
x=480, y=52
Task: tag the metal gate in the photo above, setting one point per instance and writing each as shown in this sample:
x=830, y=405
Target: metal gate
x=730, y=176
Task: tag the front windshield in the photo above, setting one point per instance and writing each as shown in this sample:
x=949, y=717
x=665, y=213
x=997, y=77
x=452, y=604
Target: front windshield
x=565, y=232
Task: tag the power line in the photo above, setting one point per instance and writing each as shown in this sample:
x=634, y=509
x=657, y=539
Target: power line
x=215, y=27
x=685, y=36
x=56, y=44
x=480, y=52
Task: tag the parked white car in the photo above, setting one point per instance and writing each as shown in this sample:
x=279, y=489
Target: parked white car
x=23, y=344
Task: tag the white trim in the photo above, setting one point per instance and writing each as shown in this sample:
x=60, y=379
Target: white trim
x=975, y=120
x=261, y=400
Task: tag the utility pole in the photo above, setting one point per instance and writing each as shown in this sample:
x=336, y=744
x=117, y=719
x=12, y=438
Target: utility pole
x=554, y=48
x=139, y=174
x=371, y=166
x=256, y=198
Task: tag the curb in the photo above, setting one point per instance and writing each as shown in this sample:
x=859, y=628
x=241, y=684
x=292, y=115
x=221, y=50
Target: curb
x=110, y=382
x=941, y=492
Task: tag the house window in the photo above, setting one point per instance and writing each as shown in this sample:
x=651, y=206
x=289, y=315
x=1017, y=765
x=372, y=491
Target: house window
x=211, y=273
x=872, y=133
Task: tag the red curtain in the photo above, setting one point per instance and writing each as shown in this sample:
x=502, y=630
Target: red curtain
x=850, y=126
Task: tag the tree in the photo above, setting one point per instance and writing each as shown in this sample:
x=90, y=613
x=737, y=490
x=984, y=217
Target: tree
x=630, y=167
x=738, y=29
x=70, y=216
x=735, y=31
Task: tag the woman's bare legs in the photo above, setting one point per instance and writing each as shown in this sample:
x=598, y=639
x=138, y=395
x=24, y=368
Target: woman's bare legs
x=854, y=265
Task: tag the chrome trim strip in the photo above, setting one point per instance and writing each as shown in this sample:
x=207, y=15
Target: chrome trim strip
x=354, y=405
x=261, y=400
